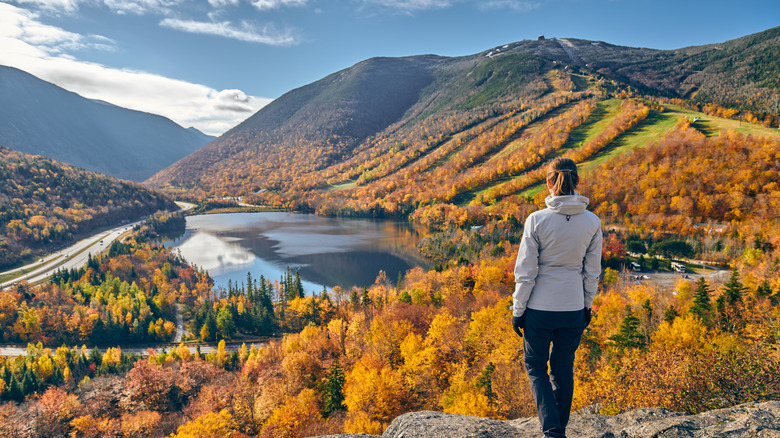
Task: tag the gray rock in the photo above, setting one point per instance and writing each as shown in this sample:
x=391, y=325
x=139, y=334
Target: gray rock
x=755, y=420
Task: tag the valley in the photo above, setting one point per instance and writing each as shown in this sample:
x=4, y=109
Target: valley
x=678, y=157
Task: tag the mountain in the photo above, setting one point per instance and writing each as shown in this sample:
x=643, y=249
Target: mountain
x=41, y=118
x=289, y=145
x=45, y=204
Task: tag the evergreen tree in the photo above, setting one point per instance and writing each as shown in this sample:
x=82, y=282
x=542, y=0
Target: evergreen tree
x=670, y=314
x=225, y=322
x=764, y=289
x=733, y=288
x=354, y=300
x=210, y=326
x=702, y=307
x=366, y=300
x=298, y=286
x=333, y=395
x=628, y=335
x=485, y=380
x=250, y=292
x=98, y=335
x=30, y=382
x=57, y=378
x=95, y=356
x=729, y=303
x=15, y=391
x=646, y=320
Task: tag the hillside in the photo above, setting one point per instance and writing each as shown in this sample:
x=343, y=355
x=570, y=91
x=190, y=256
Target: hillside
x=45, y=204
x=343, y=128
x=40, y=118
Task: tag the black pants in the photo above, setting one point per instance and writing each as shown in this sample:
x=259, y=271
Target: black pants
x=553, y=393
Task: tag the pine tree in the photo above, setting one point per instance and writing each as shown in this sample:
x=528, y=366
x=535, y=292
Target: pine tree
x=56, y=378
x=670, y=314
x=366, y=300
x=733, y=288
x=298, y=286
x=30, y=382
x=485, y=380
x=209, y=328
x=15, y=391
x=702, y=307
x=250, y=293
x=95, y=356
x=333, y=395
x=647, y=317
x=354, y=300
x=764, y=289
x=729, y=303
x=628, y=335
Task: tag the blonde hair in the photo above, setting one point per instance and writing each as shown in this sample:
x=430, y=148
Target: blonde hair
x=562, y=176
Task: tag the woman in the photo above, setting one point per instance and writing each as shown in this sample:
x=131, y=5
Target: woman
x=556, y=278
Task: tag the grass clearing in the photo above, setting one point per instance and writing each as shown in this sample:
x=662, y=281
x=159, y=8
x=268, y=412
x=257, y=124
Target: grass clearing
x=342, y=186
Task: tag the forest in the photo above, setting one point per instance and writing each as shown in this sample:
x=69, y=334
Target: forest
x=45, y=204
x=352, y=360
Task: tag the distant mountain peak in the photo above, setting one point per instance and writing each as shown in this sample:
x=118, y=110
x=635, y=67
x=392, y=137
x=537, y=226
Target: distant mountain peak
x=41, y=118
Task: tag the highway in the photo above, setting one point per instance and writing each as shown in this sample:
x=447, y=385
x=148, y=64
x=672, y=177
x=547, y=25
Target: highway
x=74, y=256
x=13, y=351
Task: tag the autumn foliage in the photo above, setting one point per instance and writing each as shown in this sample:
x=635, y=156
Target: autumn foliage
x=44, y=204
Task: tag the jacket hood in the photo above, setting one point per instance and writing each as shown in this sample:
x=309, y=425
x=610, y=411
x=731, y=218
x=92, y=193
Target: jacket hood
x=567, y=204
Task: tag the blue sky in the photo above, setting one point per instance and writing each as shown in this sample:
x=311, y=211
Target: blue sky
x=213, y=63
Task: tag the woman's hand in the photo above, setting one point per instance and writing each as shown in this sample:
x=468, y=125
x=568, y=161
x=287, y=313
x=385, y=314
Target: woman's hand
x=518, y=322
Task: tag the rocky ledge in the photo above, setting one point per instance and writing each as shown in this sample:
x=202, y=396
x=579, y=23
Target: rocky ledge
x=748, y=420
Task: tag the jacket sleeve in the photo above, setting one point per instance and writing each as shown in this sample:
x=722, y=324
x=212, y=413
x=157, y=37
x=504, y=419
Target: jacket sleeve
x=526, y=268
x=591, y=268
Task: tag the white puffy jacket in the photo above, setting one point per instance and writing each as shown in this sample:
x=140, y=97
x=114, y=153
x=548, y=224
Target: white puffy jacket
x=559, y=260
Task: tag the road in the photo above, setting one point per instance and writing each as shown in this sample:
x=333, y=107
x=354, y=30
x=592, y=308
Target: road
x=180, y=331
x=76, y=255
x=12, y=351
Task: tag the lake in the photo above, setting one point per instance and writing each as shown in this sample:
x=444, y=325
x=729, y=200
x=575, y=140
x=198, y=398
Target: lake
x=325, y=251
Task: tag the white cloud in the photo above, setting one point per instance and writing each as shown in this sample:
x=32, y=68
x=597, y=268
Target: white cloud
x=245, y=32
x=24, y=27
x=421, y=5
x=264, y=5
x=141, y=7
x=37, y=49
x=517, y=5
x=222, y=3
x=412, y=5
x=54, y=5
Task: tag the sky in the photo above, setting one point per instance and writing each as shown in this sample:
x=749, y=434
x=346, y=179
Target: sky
x=211, y=64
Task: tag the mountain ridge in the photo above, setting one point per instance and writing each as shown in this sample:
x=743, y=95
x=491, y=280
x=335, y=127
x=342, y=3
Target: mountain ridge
x=45, y=204
x=40, y=118
x=323, y=123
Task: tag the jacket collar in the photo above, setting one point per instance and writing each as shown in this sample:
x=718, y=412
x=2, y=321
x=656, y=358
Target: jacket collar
x=567, y=204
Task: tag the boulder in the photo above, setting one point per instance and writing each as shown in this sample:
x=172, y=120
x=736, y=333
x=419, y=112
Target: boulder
x=760, y=420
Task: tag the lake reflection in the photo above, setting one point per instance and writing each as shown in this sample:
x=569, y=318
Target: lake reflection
x=325, y=251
